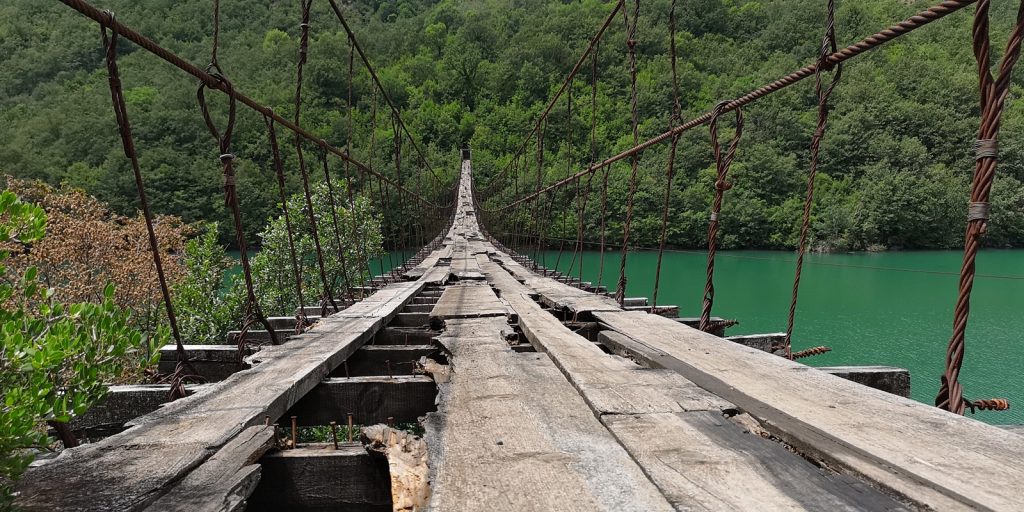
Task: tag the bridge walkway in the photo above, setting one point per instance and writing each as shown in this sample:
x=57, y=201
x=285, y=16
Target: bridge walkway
x=685, y=421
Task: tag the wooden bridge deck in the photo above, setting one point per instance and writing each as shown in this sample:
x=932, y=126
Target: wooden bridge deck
x=701, y=424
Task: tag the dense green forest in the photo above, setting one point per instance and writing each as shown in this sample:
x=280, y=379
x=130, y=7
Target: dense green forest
x=895, y=162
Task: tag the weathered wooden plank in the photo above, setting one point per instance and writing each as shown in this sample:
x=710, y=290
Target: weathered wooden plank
x=369, y=399
x=385, y=360
x=404, y=336
x=320, y=478
x=702, y=461
x=933, y=457
x=511, y=434
x=609, y=384
x=886, y=378
x=225, y=481
x=180, y=436
x=211, y=362
x=125, y=403
x=467, y=300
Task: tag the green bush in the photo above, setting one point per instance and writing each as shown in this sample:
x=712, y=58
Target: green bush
x=54, y=358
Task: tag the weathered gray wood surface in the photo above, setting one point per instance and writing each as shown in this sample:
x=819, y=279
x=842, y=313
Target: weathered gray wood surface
x=933, y=457
x=702, y=461
x=225, y=481
x=369, y=399
x=511, y=434
x=468, y=300
x=131, y=469
x=320, y=478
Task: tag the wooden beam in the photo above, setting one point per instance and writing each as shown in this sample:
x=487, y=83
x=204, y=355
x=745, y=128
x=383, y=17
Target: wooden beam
x=320, y=478
x=934, y=458
x=225, y=481
x=886, y=378
x=404, y=336
x=211, y=362
x=386, y=360
x=123, y=404
x=369, y=399
x=183, y=434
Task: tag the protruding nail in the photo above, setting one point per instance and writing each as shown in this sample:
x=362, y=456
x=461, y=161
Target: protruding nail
x=346, y=370
x=334, y=434
x=387, y=363
x=350, y=427
x=295, y=429
x=391, y=421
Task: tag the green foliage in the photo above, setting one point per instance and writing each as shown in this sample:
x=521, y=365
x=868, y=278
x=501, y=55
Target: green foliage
x=359, y=228
x=54, y=358
x=479, y=72
x=204, y=311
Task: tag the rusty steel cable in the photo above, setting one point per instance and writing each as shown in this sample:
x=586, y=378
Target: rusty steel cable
x=634, y=164
x=252, y=311
x=604, y=223
x=813, y=351
x=723, y=160
x=327, y=297
x=364, y=253
x=823, y=92
x=993, y=93
x=591, y=48
x=212, y=82
x=670, y=171
x=130, y=152
x=332, y=203
x=369, y=67
x=568, y=172
x=873, y=41
x=275, y=150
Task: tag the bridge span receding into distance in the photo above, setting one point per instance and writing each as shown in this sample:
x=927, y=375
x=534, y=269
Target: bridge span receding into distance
x=532, y=394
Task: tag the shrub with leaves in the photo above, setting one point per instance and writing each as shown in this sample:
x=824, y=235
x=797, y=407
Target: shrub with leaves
x=54, y=359
x=204, y=311
x=89, y=246
x=272, y=267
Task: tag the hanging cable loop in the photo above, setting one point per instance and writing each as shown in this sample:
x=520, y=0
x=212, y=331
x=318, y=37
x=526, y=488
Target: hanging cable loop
x=723, y=160
x=828, y=47
x=252, y=311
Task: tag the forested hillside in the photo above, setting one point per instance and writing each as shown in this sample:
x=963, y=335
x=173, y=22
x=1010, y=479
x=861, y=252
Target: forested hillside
x=895, y=162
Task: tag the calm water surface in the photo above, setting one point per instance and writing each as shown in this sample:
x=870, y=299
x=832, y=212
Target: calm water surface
x=873, y=309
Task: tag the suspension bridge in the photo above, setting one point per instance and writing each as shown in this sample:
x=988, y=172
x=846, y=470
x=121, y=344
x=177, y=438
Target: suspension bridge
x=529, y=388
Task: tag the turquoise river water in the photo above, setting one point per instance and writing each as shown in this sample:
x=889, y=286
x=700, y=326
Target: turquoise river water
x=892, y=308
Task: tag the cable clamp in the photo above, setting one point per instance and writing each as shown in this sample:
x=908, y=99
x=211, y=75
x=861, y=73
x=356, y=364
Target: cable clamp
x=986, y=148
x=978, y=211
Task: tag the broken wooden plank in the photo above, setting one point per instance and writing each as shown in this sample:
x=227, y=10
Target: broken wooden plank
x=930, y=456
x=403, y=398
x=407, y=465
x=226, y=480
x=183, y=434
